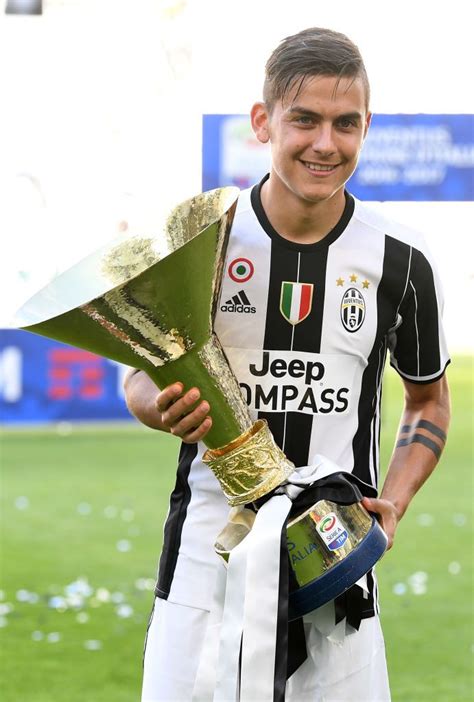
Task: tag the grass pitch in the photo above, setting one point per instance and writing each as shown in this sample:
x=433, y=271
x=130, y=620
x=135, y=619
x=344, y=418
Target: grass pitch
x=81, y=530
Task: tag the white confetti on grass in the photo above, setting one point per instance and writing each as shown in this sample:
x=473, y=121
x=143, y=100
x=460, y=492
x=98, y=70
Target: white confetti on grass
x=64, y=428
x=75, y=601
x=93, y=645
x=418, y=582
x=110, y=511
x=454, y=568
x=84, y=509
x=425, y=520
x=459, y=519
x=123, y=545
x=124, y=611
x=58, y=602
x=128, y=515
x=22, y=595
x=117, y=597
x=27, y=596
x=420, y=576
x=22, y=502
x=78, y=595
x=145, y=584
x=399, y=589
x=102, y=594
x=79, y=587
x=53, y=637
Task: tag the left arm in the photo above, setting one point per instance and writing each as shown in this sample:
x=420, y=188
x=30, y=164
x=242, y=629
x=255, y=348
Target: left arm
x=420, y=441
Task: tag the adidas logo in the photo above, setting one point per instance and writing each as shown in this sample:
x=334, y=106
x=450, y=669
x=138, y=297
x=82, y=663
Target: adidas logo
x=238, y=303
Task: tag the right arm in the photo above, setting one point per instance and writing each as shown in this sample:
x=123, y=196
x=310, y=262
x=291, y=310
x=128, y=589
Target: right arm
x=167, y=410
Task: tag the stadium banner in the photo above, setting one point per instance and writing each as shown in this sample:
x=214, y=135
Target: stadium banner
x=45, y=381
x=422, y=157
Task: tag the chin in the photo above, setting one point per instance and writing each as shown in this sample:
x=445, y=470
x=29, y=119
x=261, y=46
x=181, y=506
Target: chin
x=321, y=195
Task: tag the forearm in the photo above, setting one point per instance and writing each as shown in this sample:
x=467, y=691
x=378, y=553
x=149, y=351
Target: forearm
x=419, y=444
x=140, y=396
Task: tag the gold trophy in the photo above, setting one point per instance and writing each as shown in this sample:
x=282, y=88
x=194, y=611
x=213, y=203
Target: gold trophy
x=149, y=301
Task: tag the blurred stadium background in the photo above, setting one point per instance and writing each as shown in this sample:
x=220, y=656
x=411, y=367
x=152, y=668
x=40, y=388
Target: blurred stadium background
x=113, y=112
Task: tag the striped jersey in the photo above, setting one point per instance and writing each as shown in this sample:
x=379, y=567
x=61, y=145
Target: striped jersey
x=306, y=329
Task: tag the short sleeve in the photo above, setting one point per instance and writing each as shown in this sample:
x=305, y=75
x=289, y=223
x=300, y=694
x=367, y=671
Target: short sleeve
x=417, y=344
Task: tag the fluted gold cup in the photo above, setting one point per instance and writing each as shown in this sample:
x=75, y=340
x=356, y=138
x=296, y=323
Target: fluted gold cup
x=148, y=300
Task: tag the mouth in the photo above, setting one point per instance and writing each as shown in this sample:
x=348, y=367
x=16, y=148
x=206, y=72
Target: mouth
x=320, y=168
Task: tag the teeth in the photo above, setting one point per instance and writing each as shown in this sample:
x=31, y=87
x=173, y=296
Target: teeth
x=316, y=167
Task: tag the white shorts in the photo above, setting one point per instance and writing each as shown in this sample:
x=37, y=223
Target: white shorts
x=354, y=671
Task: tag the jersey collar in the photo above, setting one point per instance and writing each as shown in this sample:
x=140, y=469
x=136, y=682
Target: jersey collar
x=335, y=233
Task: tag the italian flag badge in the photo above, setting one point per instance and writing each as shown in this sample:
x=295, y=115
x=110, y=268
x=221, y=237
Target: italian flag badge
x=295, y=301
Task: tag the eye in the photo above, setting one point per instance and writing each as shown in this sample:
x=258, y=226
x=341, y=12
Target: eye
x=304, y=120
x=346, y=122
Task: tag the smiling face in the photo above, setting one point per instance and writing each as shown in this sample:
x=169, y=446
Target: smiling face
x=316, y=136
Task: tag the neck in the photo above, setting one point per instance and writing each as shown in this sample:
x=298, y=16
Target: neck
x=298, y=220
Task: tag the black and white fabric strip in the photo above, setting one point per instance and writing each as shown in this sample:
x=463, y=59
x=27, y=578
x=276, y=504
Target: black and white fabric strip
x=252, y=659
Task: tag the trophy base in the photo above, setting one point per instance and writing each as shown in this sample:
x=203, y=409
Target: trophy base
x=341, y=576
x=330, y=547
x=249, y=467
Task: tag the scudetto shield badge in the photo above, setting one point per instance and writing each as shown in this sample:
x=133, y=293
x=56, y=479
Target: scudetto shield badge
x=352, y=309
x=296, y=301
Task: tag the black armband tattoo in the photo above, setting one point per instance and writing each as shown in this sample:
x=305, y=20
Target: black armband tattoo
x=425, y=424
x=420, y=439
x=415, y=438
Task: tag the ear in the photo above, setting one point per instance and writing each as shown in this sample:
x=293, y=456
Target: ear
x=260, y=121
x=368, y=120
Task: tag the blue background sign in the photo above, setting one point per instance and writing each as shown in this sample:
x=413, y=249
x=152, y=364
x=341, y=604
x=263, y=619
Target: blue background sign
x=405, y=157
x=45, y=381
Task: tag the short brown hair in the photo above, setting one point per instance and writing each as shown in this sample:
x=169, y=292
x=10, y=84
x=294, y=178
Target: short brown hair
x=311, y=52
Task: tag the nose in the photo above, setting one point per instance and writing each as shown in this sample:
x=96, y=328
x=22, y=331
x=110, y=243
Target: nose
x=323, y=141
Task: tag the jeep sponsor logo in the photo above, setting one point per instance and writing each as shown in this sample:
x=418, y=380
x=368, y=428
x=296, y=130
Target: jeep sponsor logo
x=238, y=303
x=352, y=309
x=279, y=367
x=292, y=384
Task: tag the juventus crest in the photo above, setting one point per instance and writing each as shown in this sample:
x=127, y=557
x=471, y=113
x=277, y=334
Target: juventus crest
x=352, y=309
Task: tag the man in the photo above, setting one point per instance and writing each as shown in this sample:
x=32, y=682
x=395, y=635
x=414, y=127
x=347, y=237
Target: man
x=330, y=284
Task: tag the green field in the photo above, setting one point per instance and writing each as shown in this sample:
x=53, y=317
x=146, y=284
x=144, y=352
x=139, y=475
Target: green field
x=81, y=529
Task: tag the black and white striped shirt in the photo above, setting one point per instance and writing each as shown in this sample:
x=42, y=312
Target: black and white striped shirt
x=306, y=329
